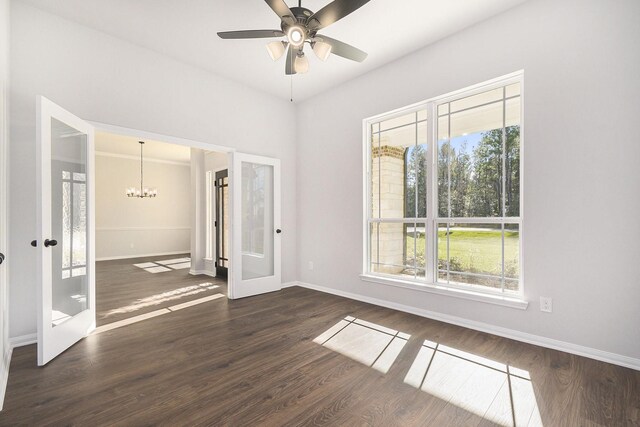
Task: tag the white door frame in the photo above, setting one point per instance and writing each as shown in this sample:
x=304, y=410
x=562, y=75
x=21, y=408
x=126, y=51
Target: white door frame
x=5, y=352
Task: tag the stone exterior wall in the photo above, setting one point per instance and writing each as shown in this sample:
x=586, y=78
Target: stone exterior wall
x=388, y=171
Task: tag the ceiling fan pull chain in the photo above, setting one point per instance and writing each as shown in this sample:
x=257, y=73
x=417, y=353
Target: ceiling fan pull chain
x=291, y=88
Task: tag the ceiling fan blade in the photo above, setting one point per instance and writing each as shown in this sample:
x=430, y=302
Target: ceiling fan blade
x=342, y=49
x=333, y=12
x=291, y=56
x=250, y=34
x=281, y=8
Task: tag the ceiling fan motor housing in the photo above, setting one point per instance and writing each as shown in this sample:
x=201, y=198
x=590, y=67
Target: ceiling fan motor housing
x=302, y=15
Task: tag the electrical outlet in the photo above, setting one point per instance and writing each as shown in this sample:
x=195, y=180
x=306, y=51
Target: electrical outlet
x=310, y=265
x=546, y=304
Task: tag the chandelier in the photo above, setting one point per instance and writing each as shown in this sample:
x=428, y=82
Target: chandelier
x=143, y=191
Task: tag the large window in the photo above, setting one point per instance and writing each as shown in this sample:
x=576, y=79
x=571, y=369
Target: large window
x=443, y=182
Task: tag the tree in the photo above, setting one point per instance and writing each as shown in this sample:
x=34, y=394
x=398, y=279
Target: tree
x=475, y=181
x=486, y=192
x=416, y=181
x=454, y=175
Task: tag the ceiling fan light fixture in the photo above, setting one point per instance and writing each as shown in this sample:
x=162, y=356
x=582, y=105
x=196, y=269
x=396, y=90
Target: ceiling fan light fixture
x=295, y=35
x=322, y=50
x=299, y=25
x=301, y=64
x=276, y=49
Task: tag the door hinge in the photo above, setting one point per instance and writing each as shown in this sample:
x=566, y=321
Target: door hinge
x=215, y=223
x=215, y=183
x=216, y=264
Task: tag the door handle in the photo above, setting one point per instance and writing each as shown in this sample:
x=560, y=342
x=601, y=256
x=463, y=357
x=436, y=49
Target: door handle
x=278, y=231
x=1, y=258
x=34, y=243
x=48, y=243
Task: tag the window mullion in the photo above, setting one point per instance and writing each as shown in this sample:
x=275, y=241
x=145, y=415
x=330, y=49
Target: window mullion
x=415, y=197
x=504, y=172
x=431, y=229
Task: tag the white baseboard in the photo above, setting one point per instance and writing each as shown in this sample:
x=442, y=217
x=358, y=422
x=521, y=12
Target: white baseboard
x=592, y=353
x=143, y=255
x=23, y=340
x=202, y=272
x=289, y=284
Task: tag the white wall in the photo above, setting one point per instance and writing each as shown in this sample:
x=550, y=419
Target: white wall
x=4, y=189
x=129, y=227
x=213, y=162
x=104, y=79
x=581, y=176
x=197, y=213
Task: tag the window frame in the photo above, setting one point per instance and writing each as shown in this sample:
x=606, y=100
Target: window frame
x=430, y=282
x=72, y=268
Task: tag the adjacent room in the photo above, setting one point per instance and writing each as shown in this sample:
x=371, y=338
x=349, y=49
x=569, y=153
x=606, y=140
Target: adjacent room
x=319, y=212
x=143, y=193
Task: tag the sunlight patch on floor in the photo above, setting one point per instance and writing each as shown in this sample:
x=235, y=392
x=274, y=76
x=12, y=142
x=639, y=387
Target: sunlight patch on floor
x=156, y=313
x=163, y=297
x=365, y=342
x=165, y=265
x=174, y=261
x=493, y=390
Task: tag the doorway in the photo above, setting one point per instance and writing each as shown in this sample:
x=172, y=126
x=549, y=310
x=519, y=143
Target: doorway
x=221, y=223
x=146, y=261
x=254, y=255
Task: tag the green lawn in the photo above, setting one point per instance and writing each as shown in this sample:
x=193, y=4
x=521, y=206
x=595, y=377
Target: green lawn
x=474, y=250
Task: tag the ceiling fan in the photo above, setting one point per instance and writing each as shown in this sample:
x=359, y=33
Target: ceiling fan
x=300, y=25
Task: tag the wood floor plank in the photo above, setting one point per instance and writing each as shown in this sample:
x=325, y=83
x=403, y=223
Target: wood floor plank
x=254, y=362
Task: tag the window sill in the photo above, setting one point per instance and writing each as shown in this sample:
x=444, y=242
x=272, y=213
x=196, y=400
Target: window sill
x=512, y=302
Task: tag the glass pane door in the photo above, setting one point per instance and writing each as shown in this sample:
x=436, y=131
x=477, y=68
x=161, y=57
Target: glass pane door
x=68, y=222
x=65, y=247
x=255, y=218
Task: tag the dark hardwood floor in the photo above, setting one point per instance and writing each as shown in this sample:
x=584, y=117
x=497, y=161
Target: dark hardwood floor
x=124, y=290
x=300, y=357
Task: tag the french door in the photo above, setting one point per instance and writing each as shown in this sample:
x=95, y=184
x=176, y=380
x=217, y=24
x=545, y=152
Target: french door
x=65, y=248
x=255, y=208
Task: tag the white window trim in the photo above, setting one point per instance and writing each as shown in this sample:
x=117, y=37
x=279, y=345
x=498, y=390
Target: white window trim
x=470, y=292
x=451, y=291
